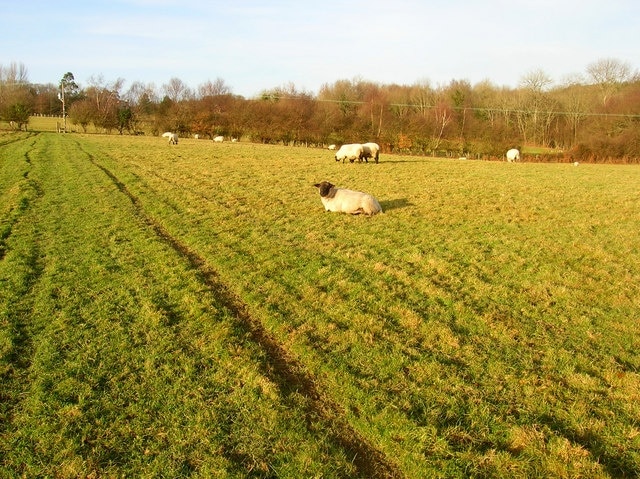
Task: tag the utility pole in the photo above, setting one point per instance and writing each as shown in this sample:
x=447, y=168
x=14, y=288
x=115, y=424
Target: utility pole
x=64, y=112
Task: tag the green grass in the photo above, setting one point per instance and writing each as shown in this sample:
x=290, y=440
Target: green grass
x=192, y=310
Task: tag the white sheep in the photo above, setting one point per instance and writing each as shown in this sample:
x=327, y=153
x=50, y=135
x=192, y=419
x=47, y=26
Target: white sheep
x=173, y=137
x=370, y=150
x=513, y=155
x=332, y=147
x=341, y=200
x=219, y=139
x=351, y=152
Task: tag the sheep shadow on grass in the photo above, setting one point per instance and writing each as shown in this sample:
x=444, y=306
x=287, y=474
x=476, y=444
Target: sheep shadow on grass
x=395, y=204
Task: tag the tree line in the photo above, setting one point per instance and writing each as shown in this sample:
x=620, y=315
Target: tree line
x=593, y=116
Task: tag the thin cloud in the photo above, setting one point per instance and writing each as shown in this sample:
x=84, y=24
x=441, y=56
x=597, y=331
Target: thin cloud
x=258, y=45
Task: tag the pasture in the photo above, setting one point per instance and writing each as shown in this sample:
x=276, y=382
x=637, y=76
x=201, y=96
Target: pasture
x=192, y=311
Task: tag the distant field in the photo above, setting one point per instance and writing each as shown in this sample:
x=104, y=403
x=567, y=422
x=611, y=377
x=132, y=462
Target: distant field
x=191, y=310
x=52, y=123
x=38, y=123
x=47, y=124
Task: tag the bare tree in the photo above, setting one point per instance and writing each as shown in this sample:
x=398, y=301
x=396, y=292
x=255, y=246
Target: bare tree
x=16, y=97
x=83, y=112
x=139, y=93
x=106, y=97
x=534, y=114
x=422, y=97
x=443, y=115
x=575, y=104
x=215, y=88
x=14, y=74
x=609, y=74
x=139, y=99
x=177, y=90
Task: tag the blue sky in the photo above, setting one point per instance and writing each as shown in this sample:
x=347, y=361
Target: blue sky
x=256, y=45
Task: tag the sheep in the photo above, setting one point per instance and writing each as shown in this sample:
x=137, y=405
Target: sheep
x=332, y=147
x=513, y=155
x=173, y=137
x=370, y=150
x=341, y=200
x=219, y=139
x=351, y=152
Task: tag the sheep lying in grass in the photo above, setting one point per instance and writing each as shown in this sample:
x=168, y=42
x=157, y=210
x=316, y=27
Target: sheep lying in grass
x=341, y=200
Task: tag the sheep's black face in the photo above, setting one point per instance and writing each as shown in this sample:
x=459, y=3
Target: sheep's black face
x=324, y=187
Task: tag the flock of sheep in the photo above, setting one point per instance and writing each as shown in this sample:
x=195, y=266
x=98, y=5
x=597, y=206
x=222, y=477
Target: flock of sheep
x=342, y=200
x=173, y=138
x=357, y=151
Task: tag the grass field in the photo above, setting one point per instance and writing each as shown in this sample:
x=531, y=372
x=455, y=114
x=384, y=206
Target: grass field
x=192, y=311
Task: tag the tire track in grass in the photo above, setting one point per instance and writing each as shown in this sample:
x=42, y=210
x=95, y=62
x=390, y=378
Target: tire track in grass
x=15, y=306
x=9, y=139
x=282, y=367
x=28, y=191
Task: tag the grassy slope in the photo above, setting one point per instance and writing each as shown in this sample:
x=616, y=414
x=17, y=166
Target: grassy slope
x=484, y=325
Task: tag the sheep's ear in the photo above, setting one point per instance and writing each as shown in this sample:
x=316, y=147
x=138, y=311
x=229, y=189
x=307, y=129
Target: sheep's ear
x=317, y=185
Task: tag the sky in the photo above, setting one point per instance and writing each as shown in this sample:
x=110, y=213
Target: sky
x=255, y=45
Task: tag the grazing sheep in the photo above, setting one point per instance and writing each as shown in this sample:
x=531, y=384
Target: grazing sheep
x=513, y=155
x=173, y=137
x=332, y=147
x=370, y=150
x=351, y=152
x=219, y=139
x=341, y=200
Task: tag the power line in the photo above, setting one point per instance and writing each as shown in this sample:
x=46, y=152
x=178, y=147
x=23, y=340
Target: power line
x=462, y=108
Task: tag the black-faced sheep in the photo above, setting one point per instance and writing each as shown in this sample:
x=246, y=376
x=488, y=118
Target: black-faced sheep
x=341, y=200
